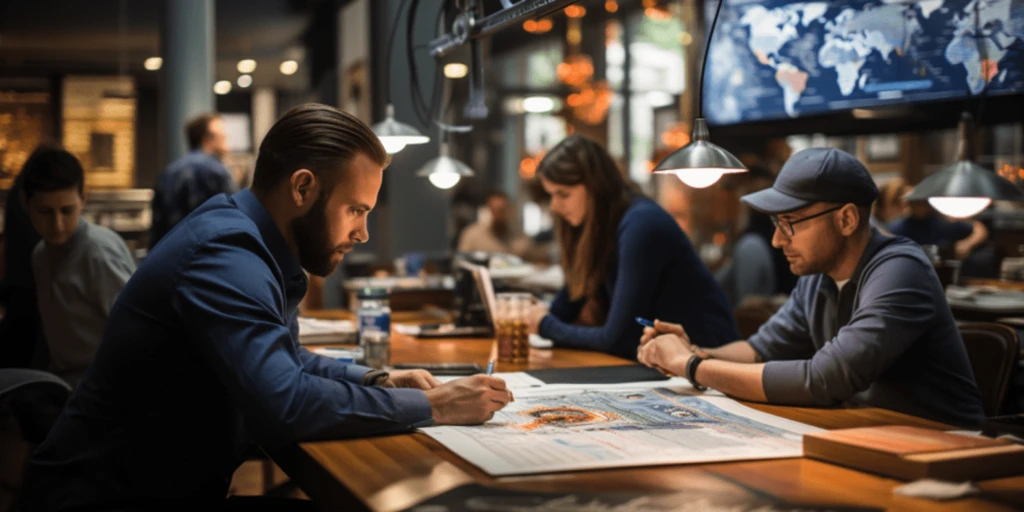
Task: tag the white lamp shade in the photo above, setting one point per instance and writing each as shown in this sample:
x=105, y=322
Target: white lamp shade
x=395, y=136
x=395, y=143
x=444, y=172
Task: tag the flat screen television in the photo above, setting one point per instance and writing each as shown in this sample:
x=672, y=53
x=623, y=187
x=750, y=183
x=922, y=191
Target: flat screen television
x=773, y=60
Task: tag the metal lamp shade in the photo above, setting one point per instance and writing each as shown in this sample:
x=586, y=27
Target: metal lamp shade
x=700, y=163
x=444, y=171
x=395, y=135
x=966, y=179
x=964, y=188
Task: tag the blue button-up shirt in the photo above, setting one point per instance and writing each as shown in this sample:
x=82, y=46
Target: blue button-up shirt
x=186, y=184
x=199, y=360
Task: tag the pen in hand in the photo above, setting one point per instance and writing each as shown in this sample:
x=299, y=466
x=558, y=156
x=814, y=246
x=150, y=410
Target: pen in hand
x=490, y=367
x=645, y=322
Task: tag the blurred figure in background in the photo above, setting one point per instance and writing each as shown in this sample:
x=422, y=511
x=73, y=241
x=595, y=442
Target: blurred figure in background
x=891, y=205
x=495, y=230
x=927, y=227
x=79, y=267
x=756, y=269
x=192, y=179
x=19, y=331
x=623, y=257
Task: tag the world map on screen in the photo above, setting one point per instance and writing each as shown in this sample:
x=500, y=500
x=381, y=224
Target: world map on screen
x=772, y=60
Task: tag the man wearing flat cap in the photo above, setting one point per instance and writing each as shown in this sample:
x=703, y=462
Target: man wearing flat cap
x=867, y=325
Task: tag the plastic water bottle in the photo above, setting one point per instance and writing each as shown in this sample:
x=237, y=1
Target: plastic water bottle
x=374, y=313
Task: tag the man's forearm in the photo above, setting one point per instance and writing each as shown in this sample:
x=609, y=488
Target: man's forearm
x=738, y=380
x=737, y=352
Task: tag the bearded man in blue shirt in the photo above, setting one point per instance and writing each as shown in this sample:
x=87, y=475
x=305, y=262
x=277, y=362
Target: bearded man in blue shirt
x=200, y=360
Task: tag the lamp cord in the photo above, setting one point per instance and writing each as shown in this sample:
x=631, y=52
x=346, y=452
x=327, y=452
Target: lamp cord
x=704, y=67
x=390, y=50
x=982, y=58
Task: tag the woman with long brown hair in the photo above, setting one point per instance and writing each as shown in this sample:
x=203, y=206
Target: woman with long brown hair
x=624, y=257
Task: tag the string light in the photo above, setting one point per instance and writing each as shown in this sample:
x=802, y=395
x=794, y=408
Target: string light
x=575, y=11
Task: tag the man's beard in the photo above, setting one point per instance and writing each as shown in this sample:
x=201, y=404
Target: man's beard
x=315, y=250
x=832, y=259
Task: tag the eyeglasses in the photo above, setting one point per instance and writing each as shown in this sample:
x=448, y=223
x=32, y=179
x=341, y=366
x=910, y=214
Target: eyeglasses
x=786, y=226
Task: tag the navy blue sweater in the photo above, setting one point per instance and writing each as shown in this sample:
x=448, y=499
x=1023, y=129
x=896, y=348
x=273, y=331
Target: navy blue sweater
x=655, y=274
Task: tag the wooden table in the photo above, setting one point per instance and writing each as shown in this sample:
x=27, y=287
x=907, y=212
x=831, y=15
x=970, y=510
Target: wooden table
x=394, y=472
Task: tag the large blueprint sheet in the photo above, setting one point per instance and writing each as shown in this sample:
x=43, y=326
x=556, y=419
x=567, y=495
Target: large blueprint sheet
x=571, y=429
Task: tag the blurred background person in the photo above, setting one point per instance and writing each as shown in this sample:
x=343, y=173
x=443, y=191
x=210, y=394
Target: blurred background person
x=495, y=230
x=926, y=226
x=20, y=332
x=891, y=205
x=79, y=267
x=755, y=268
x=192, y=179
x=623, y=257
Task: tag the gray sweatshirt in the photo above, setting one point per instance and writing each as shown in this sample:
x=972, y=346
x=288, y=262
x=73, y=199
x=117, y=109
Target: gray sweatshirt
x=887, y=339
x=76, y=284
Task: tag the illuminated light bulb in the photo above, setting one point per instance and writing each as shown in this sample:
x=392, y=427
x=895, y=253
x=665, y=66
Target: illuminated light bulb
x=959, y=207
x=289, y=67
x=444, y=180
x=455, y=70
x=699, y=178
x=222, y=87
x=246, y=66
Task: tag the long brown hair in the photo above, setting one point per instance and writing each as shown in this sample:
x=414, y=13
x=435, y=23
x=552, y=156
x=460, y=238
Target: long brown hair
x=587, y=250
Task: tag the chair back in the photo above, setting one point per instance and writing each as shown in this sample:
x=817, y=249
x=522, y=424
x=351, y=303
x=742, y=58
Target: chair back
x=993, y=350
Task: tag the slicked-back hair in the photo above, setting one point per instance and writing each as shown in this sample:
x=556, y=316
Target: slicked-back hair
x=316, y=137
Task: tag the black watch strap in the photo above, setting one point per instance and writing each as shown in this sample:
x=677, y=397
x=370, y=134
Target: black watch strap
x=691, y=371
x=375, y=378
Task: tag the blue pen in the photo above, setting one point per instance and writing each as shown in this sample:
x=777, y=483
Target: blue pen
x=490, y=367
x=645, y=322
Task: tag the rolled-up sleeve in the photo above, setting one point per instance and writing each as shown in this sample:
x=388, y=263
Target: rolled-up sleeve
x=233, y=317
x=786, y=334
x=896, y=305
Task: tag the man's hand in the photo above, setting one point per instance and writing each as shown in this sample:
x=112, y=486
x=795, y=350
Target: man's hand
x=534, y=315
x=419, y=379
x=664, y=328
x=667, y=353
x=469, y=401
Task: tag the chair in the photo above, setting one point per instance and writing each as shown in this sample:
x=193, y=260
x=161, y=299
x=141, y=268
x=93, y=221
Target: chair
x=750, y=317
x=30, y=402
x=993, y=350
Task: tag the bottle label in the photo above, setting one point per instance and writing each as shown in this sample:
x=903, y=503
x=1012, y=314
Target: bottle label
x=375, y=320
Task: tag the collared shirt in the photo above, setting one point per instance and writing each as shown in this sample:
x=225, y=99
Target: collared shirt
x=76, y=285
x=198, y=361
x=887, y=339
x=186, y=183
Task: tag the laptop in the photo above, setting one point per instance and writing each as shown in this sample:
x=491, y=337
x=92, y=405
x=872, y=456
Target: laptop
x=474, y=306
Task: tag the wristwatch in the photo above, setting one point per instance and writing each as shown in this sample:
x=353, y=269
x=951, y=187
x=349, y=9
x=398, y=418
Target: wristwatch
x=375, y=378
x=691, y=371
